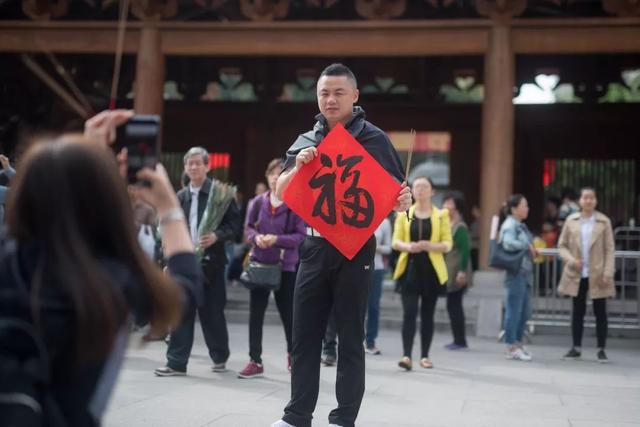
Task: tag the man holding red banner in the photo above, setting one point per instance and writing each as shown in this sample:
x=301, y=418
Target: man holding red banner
x=326, y=277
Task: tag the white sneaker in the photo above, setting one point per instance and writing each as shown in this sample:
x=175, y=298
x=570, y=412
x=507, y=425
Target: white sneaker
x=518, y=354
x=281, y=423
x=526, y=351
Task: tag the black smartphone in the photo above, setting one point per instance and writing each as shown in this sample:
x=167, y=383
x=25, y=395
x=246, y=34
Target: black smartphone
x=141, y=137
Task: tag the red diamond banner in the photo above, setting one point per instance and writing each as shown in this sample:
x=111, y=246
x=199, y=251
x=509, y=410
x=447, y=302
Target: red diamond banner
x=343, y=193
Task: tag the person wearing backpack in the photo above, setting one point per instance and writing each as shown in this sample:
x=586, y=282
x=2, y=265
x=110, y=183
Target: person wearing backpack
x=72, y=275
x=515, y=237
x=275, y=233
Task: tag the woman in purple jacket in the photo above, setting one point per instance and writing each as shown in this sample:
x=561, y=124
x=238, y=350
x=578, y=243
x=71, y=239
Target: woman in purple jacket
x=275, y=233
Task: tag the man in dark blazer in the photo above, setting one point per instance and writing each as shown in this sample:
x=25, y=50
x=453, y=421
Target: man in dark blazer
x=193, y=199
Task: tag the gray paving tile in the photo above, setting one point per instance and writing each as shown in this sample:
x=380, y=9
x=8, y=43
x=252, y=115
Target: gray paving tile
x=475, y=388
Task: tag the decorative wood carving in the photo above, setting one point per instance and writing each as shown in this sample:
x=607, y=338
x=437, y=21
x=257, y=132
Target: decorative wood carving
x=149, y=10
x=45, y=9
x=380, y=9
x=264, y=10
x=322, y=3
x=562, y=2
x=213, y=4
x=622, y=7
x=440, y=3
x=500, y=8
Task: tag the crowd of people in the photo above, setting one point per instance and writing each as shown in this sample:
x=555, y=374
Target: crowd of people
x=71, y=273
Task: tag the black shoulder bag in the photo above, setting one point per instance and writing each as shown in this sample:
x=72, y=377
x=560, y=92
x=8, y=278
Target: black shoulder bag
x=257, y=275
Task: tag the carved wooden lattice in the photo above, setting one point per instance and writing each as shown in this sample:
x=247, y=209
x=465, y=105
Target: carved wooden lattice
x=380, y=9
x=322, y=3
x=45, y=9
x=500, y=8
x=264, y=10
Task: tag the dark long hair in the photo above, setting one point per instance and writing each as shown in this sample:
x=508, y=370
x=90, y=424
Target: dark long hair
x=458, y=201
x=68, y=197
x=512, y=202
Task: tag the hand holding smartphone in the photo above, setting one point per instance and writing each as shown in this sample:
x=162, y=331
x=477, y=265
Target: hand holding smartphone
x=141, y=137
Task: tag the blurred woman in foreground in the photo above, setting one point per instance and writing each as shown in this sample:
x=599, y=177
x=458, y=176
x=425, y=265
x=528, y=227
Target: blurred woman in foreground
x=72, y=248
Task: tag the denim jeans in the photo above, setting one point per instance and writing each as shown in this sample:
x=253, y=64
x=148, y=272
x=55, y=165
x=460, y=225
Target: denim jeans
x=373, y=310
x=517, y=307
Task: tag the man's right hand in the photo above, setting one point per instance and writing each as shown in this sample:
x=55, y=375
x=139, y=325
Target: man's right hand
x=404, y=199
x=305, y=156
x=302, y=158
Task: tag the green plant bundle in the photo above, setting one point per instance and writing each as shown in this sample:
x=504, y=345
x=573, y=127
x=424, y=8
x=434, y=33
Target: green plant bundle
x=220, y=197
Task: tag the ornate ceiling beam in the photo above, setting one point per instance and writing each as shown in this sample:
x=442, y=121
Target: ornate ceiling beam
x=366, y=38
x=407, y=38
x=622, y=7
x=576, y=36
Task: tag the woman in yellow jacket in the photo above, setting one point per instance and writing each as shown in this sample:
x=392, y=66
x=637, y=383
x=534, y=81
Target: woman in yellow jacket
x=421, y=271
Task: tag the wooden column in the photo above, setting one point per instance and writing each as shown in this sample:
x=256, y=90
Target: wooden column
x=496, y=179
x=149, y=88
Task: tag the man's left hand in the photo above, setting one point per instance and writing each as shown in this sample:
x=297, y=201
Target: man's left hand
x=404, y=199
x=208, y=240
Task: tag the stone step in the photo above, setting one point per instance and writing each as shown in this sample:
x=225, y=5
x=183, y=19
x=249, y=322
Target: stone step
x=237, y=310
x=386, y=322
x=390, y=301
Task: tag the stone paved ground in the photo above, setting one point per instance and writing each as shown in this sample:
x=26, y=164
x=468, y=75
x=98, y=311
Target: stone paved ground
x=471, y=388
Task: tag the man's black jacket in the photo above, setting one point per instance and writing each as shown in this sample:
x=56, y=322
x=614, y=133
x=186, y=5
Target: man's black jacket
x=372, y=139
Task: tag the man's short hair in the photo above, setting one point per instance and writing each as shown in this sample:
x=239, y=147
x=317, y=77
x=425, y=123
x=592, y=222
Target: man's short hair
x=340, y=70
x=197, y=151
